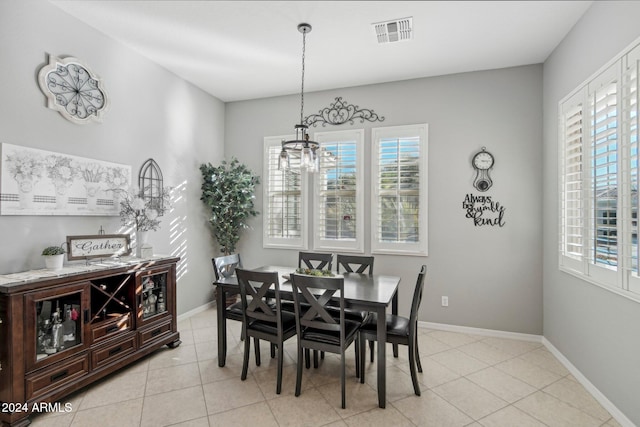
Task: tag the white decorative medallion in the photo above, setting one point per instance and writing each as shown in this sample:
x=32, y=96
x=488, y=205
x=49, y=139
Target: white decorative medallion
x=73, y=89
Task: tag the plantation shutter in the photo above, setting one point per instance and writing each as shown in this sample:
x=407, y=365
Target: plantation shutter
x=604, y=110
x=572, y=202
x=399, y=177
x=630, y=122
x=284, y=212
x=339, y=202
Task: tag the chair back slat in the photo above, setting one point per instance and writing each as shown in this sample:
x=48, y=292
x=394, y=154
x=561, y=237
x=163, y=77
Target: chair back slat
x=316, y=316
x=254, y=286
x=315, y=260
x=225, y=266
x=348, y=262
x=417, y=296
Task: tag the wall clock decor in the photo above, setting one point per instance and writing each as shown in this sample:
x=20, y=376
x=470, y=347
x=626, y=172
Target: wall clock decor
x=482, y=162
x=73, y=89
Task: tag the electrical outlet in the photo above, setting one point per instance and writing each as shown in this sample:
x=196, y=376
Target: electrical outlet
x=445, y=301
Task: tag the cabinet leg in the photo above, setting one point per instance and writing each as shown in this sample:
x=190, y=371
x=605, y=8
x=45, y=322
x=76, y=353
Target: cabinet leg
x=174, y=344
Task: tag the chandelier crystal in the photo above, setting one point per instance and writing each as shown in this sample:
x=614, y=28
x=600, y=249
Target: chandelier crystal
x=302, y=146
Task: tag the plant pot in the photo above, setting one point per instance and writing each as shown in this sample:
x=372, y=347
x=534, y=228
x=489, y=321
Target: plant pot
x=54, y=262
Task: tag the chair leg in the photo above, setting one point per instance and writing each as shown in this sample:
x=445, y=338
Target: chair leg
x=371, y=348
x=362, y=356
x=307, y=358
x=273, y=350
x=343, y=381
x=280, y=357
x=418, y=356
x=357, y=349
x=256, y=344
x=299, y=370
x=315, y=359
x=245, y=361
x=412, y=367
x=322, y=355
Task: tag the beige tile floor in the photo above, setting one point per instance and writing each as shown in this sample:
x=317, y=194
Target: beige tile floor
x=468, y=380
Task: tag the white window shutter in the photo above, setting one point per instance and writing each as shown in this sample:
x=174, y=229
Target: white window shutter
x=339, y=197
x=284, y=203
x=399, y=193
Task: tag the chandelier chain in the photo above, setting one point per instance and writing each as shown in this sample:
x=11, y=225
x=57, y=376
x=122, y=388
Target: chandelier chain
x=304, y=45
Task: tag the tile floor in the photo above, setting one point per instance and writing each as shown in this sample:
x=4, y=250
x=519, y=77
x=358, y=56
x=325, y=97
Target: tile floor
x=468, y=380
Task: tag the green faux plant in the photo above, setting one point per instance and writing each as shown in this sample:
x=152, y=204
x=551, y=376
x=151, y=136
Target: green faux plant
x=228, y=191
x=53, y=250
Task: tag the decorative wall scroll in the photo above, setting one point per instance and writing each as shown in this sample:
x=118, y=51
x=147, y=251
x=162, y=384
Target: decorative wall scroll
x=339, y=112
x=483, y=210
x=71, y=88
x=39, y=182
x=98, y=246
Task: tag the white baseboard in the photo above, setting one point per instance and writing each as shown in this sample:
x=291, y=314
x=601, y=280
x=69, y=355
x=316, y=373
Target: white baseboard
x=597, y=394
x=479, y=331
x=196, y=310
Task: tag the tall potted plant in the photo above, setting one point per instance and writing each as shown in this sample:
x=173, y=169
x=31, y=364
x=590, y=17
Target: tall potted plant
x=228, y=191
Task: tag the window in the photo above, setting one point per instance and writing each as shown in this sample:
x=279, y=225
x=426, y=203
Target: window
x=285, y=205
x=399, y=190
x=599, y=177
x=339, y=199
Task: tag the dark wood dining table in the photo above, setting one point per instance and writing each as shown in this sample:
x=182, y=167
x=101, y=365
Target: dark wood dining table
x=361, y=291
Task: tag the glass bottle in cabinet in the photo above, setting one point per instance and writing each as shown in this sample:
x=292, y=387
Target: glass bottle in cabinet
x=153, y=293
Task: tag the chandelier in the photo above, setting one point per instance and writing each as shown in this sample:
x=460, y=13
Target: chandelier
x=301, y=147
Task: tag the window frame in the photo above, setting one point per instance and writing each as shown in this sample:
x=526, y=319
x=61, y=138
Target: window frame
x=343, y=245
x=623, y=278
x=419, y=248
x=297, y=243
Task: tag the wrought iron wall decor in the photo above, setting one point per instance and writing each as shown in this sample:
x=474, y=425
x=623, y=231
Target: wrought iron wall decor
x=339, y=112
x=73, y=89
x=151, y=184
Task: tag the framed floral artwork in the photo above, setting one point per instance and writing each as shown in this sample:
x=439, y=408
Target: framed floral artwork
x=39, y=182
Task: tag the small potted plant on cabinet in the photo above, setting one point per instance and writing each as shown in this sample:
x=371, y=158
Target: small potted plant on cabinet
x=53, y=257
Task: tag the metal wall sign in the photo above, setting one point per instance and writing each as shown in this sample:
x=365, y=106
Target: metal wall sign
x=98, y=246
x=339, y=112
x=483, y=210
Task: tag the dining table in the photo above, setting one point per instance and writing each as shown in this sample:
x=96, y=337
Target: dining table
x=371, y=293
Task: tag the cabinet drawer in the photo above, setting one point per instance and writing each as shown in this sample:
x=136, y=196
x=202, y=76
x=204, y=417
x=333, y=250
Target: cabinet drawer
x=149, y=334
x=114, y=350
x=108, y=328
x=46, y=380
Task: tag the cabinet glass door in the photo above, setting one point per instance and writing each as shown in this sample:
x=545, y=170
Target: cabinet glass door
x=55, y=323
x=153, y=295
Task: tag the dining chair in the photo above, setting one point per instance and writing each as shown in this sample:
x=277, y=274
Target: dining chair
x=225, y=266
x=263, y=320
x=400, y=330
x=360, y=263
x=315, y=260
x=316, y=328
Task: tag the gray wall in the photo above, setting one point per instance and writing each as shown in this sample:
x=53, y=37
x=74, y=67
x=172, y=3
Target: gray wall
x=491, y=275
x=597, y=330
x=153, y=113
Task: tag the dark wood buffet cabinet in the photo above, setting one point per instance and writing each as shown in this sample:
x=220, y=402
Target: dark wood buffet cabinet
x=62, y=332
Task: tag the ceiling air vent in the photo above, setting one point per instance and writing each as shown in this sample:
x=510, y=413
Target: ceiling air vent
x=397, y=30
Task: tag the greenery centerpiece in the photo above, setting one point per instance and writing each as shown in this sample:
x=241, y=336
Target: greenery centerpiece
x=228, y=191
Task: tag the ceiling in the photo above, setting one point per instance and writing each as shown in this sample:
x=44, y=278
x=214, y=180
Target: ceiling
x=237, y=50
